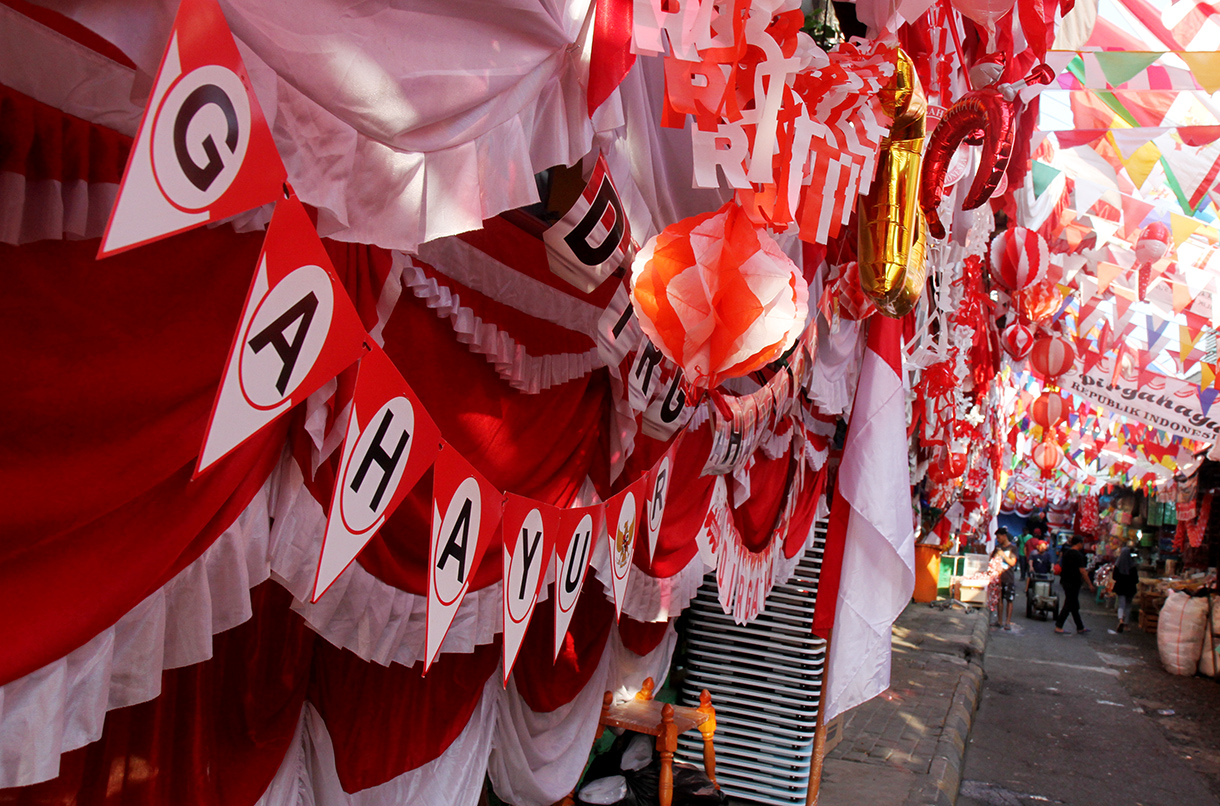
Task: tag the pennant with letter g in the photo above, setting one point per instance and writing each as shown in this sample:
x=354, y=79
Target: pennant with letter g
x=298, y=330
x=623, y=514
x=529, y=529
x=203, y=151
x=390, y=442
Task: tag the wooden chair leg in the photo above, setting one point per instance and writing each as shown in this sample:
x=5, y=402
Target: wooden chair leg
x=707, y=729
x=667, y=742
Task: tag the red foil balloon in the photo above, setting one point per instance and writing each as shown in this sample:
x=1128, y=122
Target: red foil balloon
x=1049, y=409
x=1052, y=356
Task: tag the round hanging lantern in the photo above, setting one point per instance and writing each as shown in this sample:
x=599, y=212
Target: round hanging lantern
x=1017, y=339
x=854, y=304
x=1037, y=301
x=1052, y=356
x=718, y=296
x=947, y=466
x=1153, y=243
x=1047, y=456
x=1019, y=258
x=1049, y=409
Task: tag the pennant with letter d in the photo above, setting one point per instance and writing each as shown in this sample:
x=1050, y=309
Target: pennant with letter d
x=298, y=330
x=593, y=238
x=529, y=529
x=578, y=528
x=465, y=512
x=203, y=151
x=623, y=514
x=390, y=442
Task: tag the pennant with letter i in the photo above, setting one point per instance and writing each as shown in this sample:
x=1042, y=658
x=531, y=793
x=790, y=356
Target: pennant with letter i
x=594, y=237
x=623, y=514
x=298, y=330
x=578, y=528
x=529, y=530
x=203, y=151
x=390, y=442
x=465, y=512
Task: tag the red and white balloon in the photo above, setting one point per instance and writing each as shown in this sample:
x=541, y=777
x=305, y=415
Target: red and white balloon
x=1047, y=456
x=1052, y=356
x=1151, y=246
x=1019, y=257
x=1017, y=340
x=1049, y=409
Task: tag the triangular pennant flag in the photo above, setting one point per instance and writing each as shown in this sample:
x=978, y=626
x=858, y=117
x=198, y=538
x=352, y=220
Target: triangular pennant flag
x=529, y=529
x=623, y=515
x=1088, y=288
x=593, y=238
x=298, y=330
x=1182, y=227
x=203, y=151
x=1156, y=335
x=1104, y=229
x=1087, y=194
x=1122, y=66
x=658, y=494
x=391, y=441
x=1106, y=273
x=1194, y=323
x=1042, y=176
x=578, y=528
x=1207, y=396
x=1122, y=307
x=1130, y=141
x=465, y=512
x=1205, y=66
x=1134, y=212
x=1185, y=343
x=1181, y=296
x=1141, y=163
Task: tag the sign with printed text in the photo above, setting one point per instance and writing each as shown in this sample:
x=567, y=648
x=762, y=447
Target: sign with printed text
x=298, y=330
x=203, y=151
x=390, y=442
x=529, y=530
x=578, y=528
x=593, y=238
x=623, y=515
x=465, y=512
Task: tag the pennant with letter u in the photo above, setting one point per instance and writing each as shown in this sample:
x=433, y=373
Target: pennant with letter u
x=465, y=512
x=578, y=528
x=298, y=330
x=529, y=529
x=594, y=237
x=203, y=151
x=624, y=512
x=390, y=442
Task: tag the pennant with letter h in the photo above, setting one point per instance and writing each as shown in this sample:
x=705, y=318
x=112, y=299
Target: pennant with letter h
x=203, y=151
x=390, y=442
x=624, y=512
x=465, y=512
x=594, y=237
x=298, y=330
x=578, y=528
x=529, y=529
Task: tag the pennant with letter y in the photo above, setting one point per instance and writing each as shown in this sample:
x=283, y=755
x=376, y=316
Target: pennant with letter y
x=390, y=442
x=203, y=151
x=529, y=529
x=298, y=330
x=624, y=512
x=578, y=528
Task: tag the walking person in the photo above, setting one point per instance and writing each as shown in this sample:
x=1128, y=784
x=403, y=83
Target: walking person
x=1072, y=576
x=1126, y=578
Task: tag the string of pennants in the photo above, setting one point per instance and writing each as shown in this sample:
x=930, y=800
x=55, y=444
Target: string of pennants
x=203, y=153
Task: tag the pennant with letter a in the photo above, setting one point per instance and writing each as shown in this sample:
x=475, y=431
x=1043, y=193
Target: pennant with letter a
x=578, y=528
x=529, y=530
x=624, y=512
x=203, y=151
x=465, y=512
x=594, y=237
x=298, y=330
x=390, y=442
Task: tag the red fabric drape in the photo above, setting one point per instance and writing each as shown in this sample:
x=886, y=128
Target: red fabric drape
x=641, y=637
x=110, y=370
x=756, y=516
x=215, y=736
x=41, y=142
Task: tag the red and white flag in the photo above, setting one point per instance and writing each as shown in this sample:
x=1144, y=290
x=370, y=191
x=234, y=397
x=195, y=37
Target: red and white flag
x=298, y=330
x=390, y=442
x=465, y=512
x=594, y=237
x=529, y=529
x=578, y=528
x=203, y=151
x=868, y=569
x=624, y=512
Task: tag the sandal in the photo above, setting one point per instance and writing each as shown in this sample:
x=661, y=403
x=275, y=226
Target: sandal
x=1060, y=632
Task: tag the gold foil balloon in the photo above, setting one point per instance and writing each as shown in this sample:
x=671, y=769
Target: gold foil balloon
x=889, y=215
x=916, y=275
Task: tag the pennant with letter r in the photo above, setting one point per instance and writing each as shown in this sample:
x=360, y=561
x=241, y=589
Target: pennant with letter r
x=465, y=512
x=529, y=529
x=594, y=237
x=624, y=512
x=390, y=442
x=203, y=151
x=298, y=330
x=658, y=495
x=578, y=528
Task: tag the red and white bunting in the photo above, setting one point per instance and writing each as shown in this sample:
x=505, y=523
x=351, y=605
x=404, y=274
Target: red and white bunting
x=390, y=442
x=203, y=151
x=298, y=330
x=529, y=529
x=624, y=512
x=578, y=528
x=465, y=512
x=594, y=237
x=658, y=496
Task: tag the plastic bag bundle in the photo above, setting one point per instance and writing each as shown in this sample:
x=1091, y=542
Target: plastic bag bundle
x=1179, y=633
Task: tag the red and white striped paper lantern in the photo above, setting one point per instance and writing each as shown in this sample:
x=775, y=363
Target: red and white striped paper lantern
x=1019, y=257
x=1047, y=456
x=1049, y=409
x=1052, y=356
x=1017, y=339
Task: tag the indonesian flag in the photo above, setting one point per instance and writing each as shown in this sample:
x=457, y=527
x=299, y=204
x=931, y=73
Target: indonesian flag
x=868, y=570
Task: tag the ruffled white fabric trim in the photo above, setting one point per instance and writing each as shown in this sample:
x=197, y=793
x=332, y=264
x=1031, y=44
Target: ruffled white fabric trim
x=63, y=705
x=47, y=209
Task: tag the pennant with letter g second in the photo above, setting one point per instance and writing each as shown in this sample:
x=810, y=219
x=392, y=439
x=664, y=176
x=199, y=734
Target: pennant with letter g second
x=529, y=529
x=298, y=330
x=390, y=442
x=203, y=151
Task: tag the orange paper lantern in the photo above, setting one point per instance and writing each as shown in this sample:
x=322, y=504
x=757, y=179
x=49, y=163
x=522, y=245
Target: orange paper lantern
x=717, y=296
x=1037, y=301
x=1049, y=409
x=1052, y=356
x=1047, y=456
